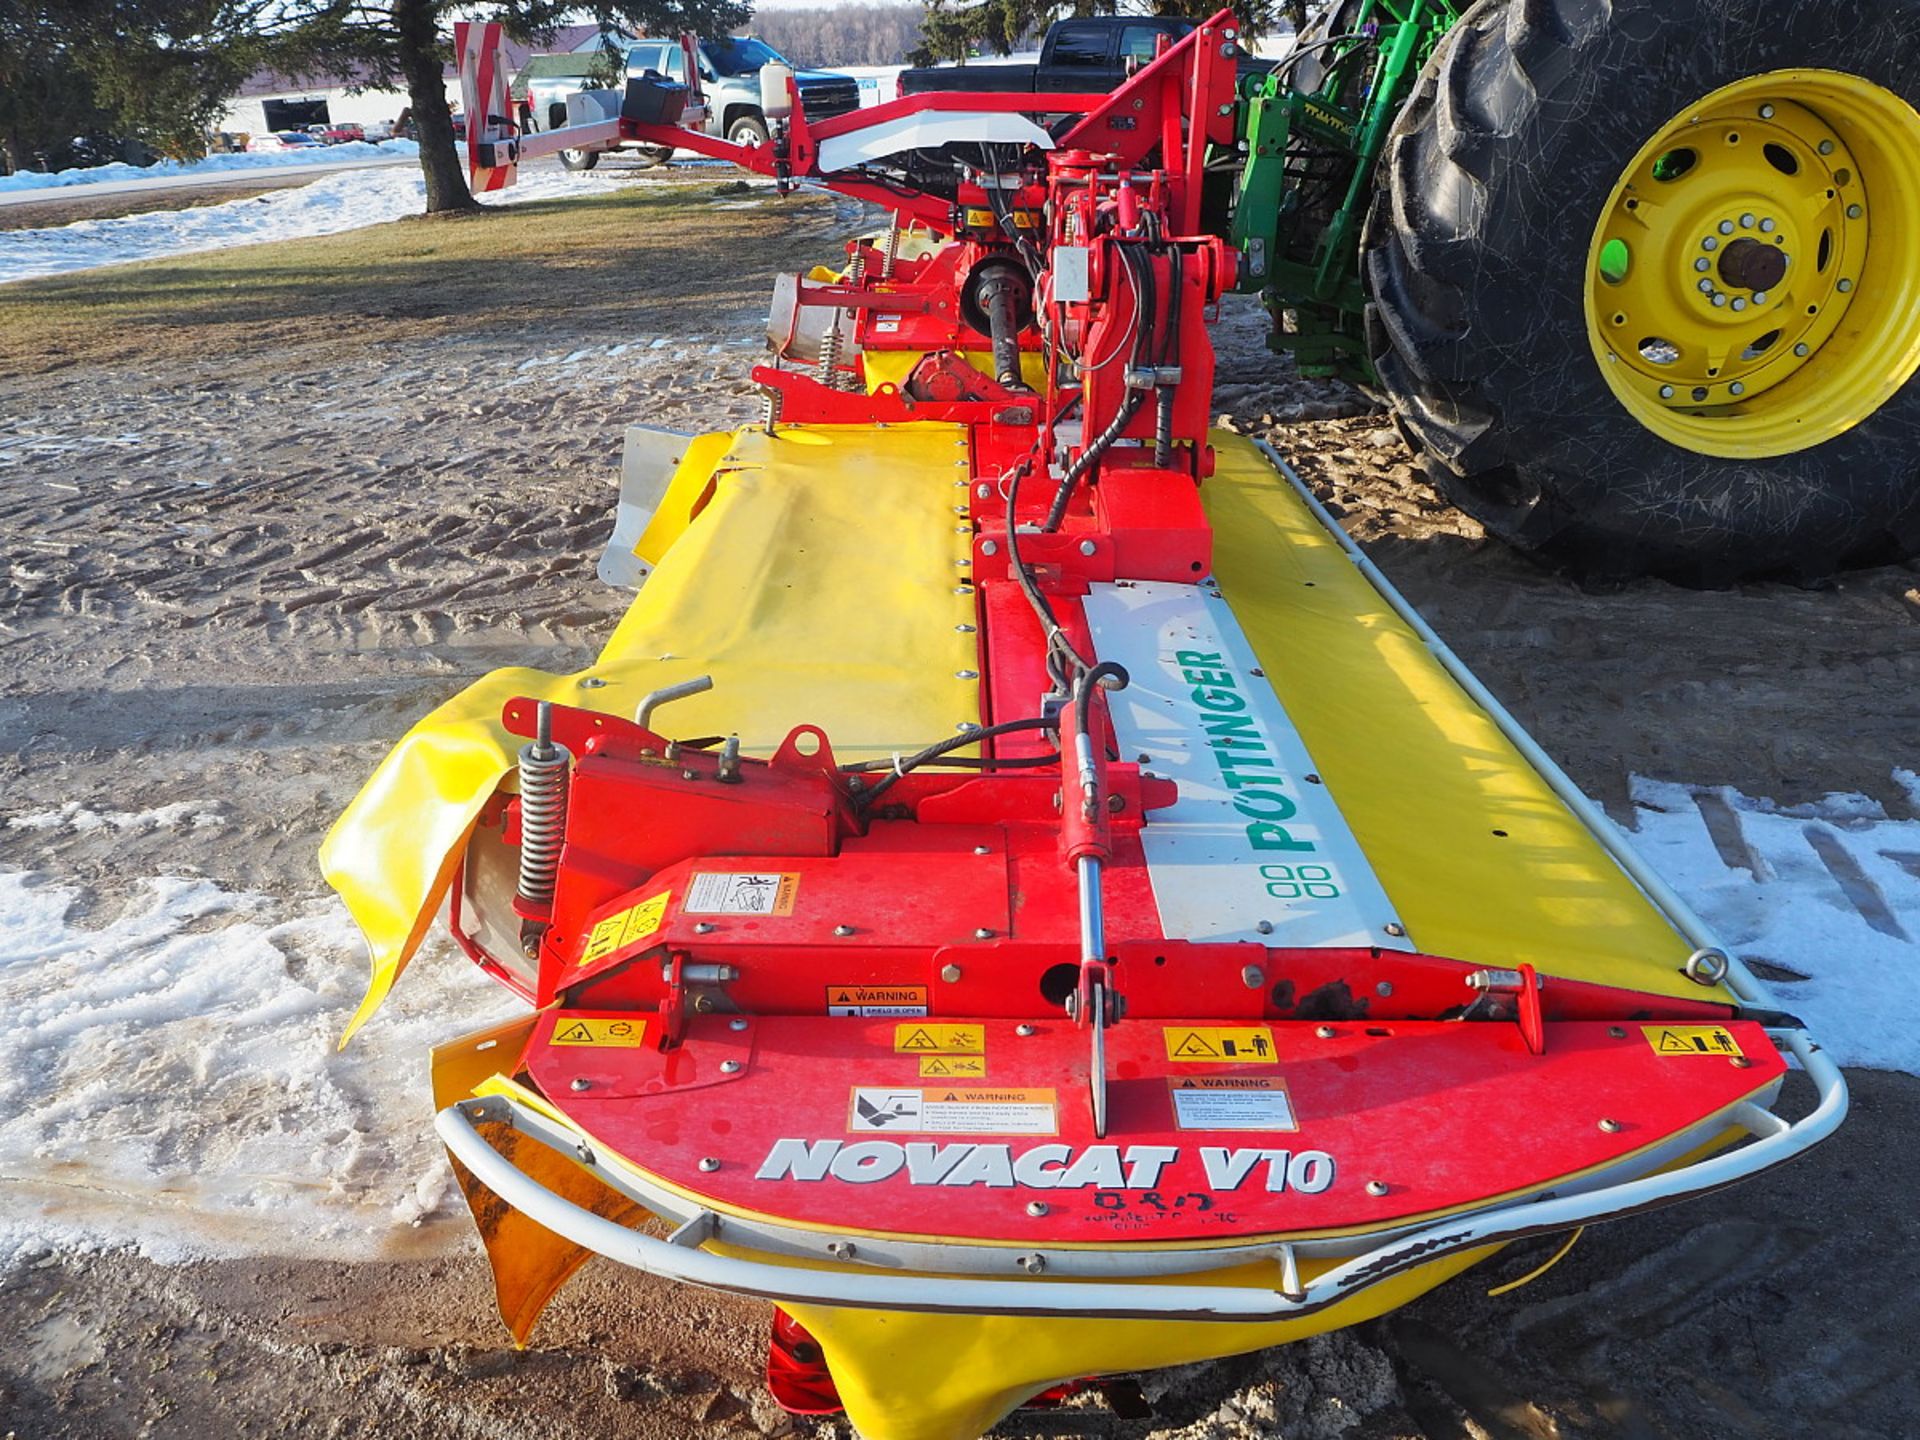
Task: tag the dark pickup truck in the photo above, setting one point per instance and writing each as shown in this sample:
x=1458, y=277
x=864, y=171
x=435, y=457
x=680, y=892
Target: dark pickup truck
x=1077, y=57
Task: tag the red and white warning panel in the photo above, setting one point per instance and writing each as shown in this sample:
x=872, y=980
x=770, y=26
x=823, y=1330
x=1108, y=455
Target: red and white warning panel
x=958, y=1128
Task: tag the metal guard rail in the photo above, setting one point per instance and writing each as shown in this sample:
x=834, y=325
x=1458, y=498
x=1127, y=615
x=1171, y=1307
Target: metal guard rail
x=1776, y=1140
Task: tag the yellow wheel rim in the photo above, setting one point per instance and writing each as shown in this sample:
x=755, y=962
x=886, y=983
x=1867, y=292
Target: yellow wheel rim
x=1753, y=285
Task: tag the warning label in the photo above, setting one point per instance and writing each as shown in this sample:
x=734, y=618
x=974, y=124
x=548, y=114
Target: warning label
x=953, y=1067
x=618, y=931
x=940, y=1039
x=1220, y=1044
x=875, y=1110
x=622, y=1034
x=1691, y=1040
x=1223, y=1102
x=876, y=1002
x=741, y=892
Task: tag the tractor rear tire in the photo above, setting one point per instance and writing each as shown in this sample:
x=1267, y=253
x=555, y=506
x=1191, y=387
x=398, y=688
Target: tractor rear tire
x=1477, y=256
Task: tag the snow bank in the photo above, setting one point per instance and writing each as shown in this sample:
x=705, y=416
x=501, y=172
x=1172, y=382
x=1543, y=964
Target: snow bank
x=346, y=201
x=212, y=164
x=1823, y=899
x=169, y=1077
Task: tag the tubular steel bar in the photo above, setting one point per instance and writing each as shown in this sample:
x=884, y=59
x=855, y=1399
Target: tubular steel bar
x=943, y=1294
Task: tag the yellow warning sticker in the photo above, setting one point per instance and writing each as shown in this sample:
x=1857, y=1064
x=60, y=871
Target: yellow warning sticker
x=620, y=930
x=940, y=1039
x=953, y=1067
x=1219, y=1044
x=1691, y=1040
x=623, y=1034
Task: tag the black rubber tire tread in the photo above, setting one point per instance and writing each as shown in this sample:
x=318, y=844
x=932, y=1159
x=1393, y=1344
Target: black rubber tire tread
x=577, y=160
x=1474, y=255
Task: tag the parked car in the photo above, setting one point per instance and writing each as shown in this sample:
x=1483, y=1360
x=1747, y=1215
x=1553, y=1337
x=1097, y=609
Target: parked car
x=729, y=77
x=284, y=140
x=340, y=132
x=1081, y=57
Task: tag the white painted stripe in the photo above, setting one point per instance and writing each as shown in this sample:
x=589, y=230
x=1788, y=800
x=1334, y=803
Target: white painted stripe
x=1250, y=839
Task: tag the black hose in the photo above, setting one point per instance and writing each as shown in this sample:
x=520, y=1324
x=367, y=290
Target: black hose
x=941, y=747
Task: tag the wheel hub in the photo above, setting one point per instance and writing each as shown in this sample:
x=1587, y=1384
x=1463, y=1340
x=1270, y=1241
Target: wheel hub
x=1745, y=291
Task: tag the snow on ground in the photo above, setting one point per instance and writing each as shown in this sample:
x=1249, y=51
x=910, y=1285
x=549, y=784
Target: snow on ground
x=210, y=165
x=345, y=201
x=1823, y=899
x=169, y=1076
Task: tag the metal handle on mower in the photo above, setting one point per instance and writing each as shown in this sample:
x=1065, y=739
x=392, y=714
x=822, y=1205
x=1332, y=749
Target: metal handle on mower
x=1776, y=1140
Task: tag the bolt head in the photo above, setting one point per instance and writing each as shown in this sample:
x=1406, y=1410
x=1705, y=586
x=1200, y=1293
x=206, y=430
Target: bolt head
x=1612, y=1127
x=1376, y=1187
x=1383, y=989
x=983, y=933
x=950, y=973
x=1826, y=147
x=1666, y=392
x=1033, y=1264
x=1324, y=1032
x=1265, y=927
x=592, y=682
x=705, y=927
x=1087, y=547
x=1845, y=286
x=1766, y=112
x=983, y=849
x=1759, y=297
x=1023, y=1030
x=1747, y=221
x=1394, y=927
x=1736, y=388
x=989, y=547
x=843, y=930
x=1802, y=348
x=966, y=674
x=1767, y=226
x=1718, y=301
x=729, y=1067
x=1703, y=264
x=1704, y=286
x=736, y=1025
x=708, y=1164
x=1253, y=977
x=1710, y=243
x=1854, y=212
x=1036, y=1208
x=580, y=1082
x=1726, y=227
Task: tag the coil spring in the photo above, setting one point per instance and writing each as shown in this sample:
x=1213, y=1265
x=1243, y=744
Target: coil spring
x=892, y=251
x=543, y=818
x=830, y=352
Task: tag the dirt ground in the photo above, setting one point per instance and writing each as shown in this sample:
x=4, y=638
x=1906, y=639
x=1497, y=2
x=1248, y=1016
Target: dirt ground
x=249, y=540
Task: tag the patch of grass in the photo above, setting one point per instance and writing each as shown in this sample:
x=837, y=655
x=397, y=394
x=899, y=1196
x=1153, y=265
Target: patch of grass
x=636, y=256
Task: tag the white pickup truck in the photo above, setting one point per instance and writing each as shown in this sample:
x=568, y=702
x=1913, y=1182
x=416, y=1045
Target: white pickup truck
x=729, y=77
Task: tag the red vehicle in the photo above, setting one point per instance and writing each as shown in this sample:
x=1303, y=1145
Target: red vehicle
x=340, y=132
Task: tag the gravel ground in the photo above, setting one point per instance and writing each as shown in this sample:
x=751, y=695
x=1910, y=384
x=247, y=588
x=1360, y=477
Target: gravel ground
x=236, y=574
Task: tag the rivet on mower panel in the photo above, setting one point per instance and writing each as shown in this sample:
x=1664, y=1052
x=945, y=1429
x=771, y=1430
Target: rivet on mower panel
x=966, y=674
x=1612, y=1127
x=1036, y=1208
x=592, y=682
x=1325, y=1032
x=705, y=927
x=1023, y=1030
x=1394, y=927
x=1740, y=1062
x=983, y=933
x=729, y=1067
x=1376, y=1187
x=580, y=1082
x=843, y=929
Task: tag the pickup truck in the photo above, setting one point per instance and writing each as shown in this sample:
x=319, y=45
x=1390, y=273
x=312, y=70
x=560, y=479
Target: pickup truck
x=729, y=76
x=1083, y=56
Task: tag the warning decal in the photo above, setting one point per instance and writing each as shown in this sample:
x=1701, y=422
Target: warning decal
x=1230, y=1102
x=741, y=892
x=875, y=1002
x=1220, y=1044
x=940, y=1039
x=878, y=1110
x=953, y=1067
x=620, y=930
x=1691, y=1040
x=624, y=1034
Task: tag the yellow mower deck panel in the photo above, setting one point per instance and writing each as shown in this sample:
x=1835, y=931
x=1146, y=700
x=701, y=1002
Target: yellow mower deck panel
x=1482, y=861
x=816, y=581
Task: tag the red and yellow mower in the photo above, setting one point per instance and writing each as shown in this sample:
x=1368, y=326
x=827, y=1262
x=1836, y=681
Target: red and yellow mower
x=1019, y=890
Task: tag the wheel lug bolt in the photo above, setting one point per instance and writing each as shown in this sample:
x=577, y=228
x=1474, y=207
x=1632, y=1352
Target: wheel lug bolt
x=1666, y=392
x=1706, y=287
x=1801, y=348
x=1826, y=147
x=1739, y=304
x=1719, y=299
x=1746, y=222
x=1703, y=264
x=1737, y=388
x=1710, y=243
x=1759, y=297
x=1767, y=227
x=1845, y=286
x=1726, y=227
x=1766, y=112
x=1853, y=212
